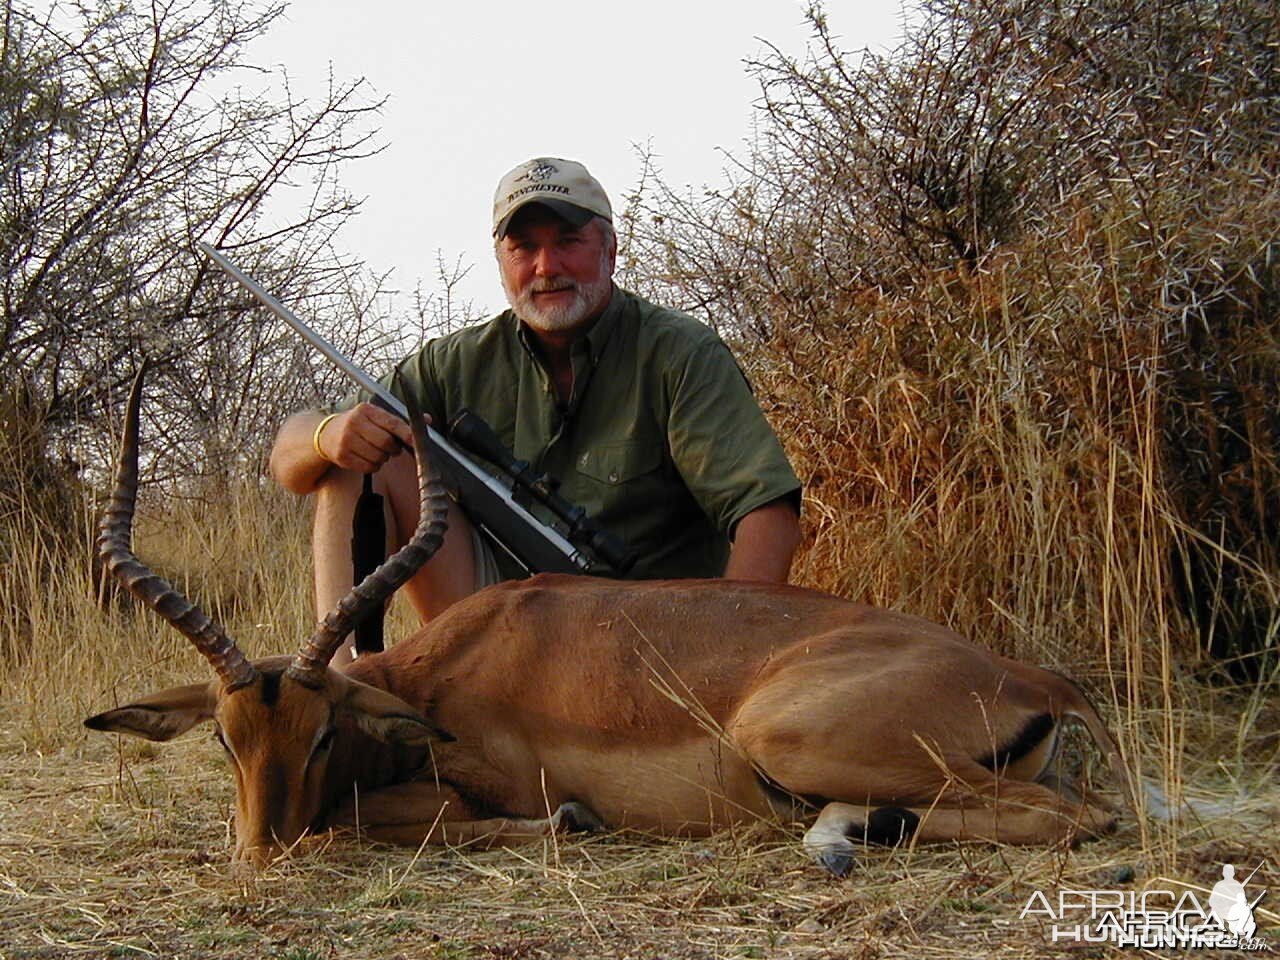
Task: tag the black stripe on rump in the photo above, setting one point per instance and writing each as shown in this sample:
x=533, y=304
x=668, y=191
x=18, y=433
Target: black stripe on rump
x=1035, y=730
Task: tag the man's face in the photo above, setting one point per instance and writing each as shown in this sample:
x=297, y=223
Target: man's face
x=556, y=275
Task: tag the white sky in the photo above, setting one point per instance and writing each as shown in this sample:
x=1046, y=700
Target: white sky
x=475, y=88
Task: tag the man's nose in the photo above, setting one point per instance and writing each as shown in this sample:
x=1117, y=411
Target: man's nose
x=546, y=262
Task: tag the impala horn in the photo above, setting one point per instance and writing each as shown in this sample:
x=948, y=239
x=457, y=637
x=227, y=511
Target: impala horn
x=433, y=505
x=116, y=551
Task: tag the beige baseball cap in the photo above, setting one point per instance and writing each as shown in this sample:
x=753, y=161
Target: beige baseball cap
x=563, y=185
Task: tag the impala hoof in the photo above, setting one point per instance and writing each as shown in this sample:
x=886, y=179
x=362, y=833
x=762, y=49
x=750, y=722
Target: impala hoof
x=835, y=861
x=574, y=817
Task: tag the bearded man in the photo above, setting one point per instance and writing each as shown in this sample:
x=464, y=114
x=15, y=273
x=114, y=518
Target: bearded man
x=641, y=414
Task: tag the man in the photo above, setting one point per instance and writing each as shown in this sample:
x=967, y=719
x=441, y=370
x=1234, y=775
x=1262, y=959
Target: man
x=641, y=413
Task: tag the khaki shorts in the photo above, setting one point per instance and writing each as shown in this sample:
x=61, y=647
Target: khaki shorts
x=486, y=566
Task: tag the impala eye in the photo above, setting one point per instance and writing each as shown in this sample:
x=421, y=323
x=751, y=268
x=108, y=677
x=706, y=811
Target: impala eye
x=325, y=741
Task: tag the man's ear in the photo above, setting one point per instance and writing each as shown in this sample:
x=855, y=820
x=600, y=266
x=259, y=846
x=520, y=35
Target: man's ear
x=159, y=716
x=387, y=718
x=613, y=253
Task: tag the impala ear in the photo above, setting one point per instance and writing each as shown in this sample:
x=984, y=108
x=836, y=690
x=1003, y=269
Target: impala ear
x=386, y=717
x=160, y=716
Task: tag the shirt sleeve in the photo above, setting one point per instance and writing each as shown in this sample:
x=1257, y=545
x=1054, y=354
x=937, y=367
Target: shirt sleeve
x=721, y=443
x=417, y=377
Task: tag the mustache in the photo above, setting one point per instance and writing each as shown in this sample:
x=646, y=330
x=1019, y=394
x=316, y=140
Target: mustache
x=551, y=285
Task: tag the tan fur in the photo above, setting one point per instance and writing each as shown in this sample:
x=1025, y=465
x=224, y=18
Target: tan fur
x=654, y=704
x=666, y=707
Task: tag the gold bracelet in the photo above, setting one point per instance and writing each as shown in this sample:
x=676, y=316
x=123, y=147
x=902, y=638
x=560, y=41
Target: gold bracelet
x=315, y=437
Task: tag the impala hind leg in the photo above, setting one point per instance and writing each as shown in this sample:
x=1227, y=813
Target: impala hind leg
x=834, y=837
x=995, y=811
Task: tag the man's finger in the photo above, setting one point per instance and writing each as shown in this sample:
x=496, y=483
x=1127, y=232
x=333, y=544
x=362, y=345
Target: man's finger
x=391, y=423
x=378, y=433
x=373, y=454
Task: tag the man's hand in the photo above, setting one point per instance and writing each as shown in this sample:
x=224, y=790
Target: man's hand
x=363, y=438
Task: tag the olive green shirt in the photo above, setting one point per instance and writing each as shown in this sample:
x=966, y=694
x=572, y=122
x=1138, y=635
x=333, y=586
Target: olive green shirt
x=661, y=442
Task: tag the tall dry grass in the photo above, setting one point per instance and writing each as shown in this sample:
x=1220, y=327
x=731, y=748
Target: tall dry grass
x=71, y=645
x=1010, y=294
x=984, y=463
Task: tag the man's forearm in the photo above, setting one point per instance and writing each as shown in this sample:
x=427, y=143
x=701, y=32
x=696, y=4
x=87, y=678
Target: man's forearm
x=361, y=439
x=764, y=543
x=294, y=463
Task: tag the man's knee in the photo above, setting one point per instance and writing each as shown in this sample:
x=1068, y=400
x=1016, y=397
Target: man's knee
x=337, y=491
x=455, y=572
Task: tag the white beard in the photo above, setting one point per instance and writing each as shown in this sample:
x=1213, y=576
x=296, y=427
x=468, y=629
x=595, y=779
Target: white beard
x=587, y=299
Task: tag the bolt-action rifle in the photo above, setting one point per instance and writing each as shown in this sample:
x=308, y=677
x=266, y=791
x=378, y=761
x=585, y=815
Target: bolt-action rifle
x=574, y=543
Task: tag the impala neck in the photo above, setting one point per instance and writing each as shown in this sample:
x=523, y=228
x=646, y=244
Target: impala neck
x=358, y=760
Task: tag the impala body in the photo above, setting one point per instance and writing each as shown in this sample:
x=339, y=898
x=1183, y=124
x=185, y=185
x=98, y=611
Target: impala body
x=675, y=707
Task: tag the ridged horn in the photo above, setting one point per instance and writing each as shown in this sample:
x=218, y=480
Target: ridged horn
x=433, y=505
x=116, y=551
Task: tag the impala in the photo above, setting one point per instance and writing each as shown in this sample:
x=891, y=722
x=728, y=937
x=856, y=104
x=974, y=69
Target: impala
x=674, y=707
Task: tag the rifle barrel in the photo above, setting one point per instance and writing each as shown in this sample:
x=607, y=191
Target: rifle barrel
x=490, y=505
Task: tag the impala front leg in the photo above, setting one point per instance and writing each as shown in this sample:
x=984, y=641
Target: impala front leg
x=410, y=814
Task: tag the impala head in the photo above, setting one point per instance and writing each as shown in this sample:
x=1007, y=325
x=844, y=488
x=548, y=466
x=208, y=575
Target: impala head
x=280, y=719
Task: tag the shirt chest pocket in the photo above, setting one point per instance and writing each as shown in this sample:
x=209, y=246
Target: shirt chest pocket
x=617, y=463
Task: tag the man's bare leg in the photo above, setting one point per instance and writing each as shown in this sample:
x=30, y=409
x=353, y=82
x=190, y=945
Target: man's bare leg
x=446, y=578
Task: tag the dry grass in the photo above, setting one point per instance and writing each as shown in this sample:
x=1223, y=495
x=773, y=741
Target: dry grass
x=1036, y=416
x=1026, y=541
x=123, y=851
x=121, y=848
